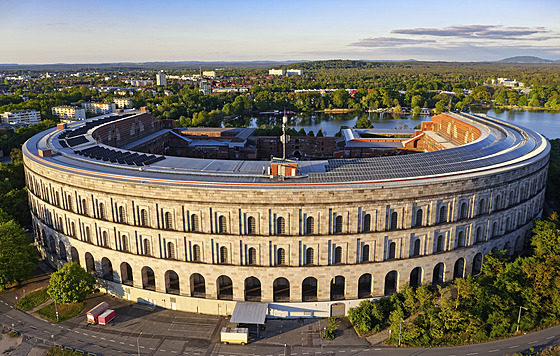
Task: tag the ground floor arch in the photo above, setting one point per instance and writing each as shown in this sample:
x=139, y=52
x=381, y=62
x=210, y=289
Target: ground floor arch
x=438, y=277
x=252, y=289
x=90, y=263
x=198, y=285
x=309, y=289
x=459, y=269
x=416, y=277
x=391, y=280
x=74, y=255
x=107, y=269
x=281, y=290
x=148, y=278
x=172, y=282
x=225, y=288
x=338, y=286
x=126, y=274
x=364, y=285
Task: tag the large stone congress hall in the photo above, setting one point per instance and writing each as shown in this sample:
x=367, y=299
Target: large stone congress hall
x=308, y=237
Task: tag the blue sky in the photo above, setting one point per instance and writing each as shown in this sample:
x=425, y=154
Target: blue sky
x=78, y=31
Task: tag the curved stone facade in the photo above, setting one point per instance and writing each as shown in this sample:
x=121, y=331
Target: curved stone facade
x=201, y=241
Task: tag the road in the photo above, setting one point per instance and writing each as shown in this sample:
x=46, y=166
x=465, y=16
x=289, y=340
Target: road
x=191, y=334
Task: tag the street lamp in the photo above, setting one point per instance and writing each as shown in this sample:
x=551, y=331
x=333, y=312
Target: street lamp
x=519, y=317
x=138, y=342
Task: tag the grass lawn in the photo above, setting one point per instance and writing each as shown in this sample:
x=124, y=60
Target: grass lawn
x=33, y=299
x=59, y=351
x=65, y=311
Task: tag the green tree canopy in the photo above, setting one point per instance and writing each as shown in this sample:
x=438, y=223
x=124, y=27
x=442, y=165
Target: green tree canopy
x=17, y=256
x=70, y=284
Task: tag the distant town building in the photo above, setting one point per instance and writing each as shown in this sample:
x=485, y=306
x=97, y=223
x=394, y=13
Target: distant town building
x=279, y=72
x=511, y=83
x=21, y=117
x=123, y=103
x=161, y=79
x=205, y=87
x=140, y=83
x=69, y=113
x=209, y=74
x=294, y=72
x=99, y=108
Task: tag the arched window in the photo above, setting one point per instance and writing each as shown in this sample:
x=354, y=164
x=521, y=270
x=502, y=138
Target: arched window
x=364, y=286
x=280, y=226
x=391, y=280
x=101, y=211
x=57, y=199
x=168, y=221
x=172, y=285
x=105, y=239
x=439, y=246
x=495, y=229
x=310, y=225
x=84, y=207
x=511, y=197
x=124, y=240
x=251, y=226
x=394, y=219
x=122, y=215
x=143, y=217
x=367, y=223
x=497, y=203
x=416, y=249
x=461, y=239
x=478, y=234
x=338, y=225
x=171, y=250
x=222, y=225
x=147, y=247
x=309, y=289
x=482, y=207
x=252, y=256
x=69, y=203
x=508, y=227
x=196, y=256
x=88, y=235
x=309, y=256
x=463, y=211
x=281, y=257
x=223, y=255
x=365, y=253
x=338, y=255
x=195, y=225
x=72, y=229
x=126, y=274
x=438, y=274
x=419, y=217
x=442, y=215
x=392, y=250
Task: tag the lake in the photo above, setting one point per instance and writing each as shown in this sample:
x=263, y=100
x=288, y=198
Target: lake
x=546, y=123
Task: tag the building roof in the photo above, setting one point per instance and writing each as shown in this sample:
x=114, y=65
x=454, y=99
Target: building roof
x=500, y=145
x=249, y=313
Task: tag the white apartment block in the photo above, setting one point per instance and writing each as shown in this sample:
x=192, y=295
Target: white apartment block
x=69, y=113
x=294, y=72
x=161, y=79
x=279, y=72
x=99, y=108
x=123, y=103
x=21, y=117
x=205, y=87
x=209, y=74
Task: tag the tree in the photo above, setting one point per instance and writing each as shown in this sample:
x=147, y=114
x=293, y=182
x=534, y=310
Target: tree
x=363, y=123
x=17, y=256
x=70, y=284
x=440, y=106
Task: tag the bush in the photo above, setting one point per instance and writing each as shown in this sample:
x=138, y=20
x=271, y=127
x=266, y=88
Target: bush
x=33, y=299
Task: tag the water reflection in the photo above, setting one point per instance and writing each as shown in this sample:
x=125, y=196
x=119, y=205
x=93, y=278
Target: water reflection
x=547, y=123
